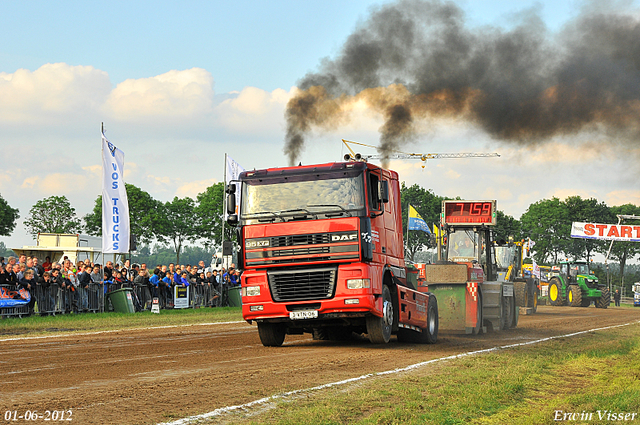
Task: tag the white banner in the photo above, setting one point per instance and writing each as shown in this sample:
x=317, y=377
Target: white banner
x=536, y=270
x=115, y=205
x=233, y=173
x=609, y=232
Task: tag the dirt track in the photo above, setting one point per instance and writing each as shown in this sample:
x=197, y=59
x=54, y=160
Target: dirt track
x=150, y=376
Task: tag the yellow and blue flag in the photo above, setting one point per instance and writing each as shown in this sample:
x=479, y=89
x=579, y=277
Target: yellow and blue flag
x=416, y=222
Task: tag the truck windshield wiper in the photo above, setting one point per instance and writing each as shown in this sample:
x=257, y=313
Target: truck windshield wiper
x=332, y=205
x=294, y=210
x=257, y=214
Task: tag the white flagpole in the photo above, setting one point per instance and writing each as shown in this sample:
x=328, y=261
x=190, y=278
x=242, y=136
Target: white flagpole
x=224, y=198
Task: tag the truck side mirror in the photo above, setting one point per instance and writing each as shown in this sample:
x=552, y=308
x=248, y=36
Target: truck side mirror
x=231, y=188
x=384, y=192
x=231, y=203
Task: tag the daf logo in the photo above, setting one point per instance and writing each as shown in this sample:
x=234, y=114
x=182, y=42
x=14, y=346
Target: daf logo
x=340, y=238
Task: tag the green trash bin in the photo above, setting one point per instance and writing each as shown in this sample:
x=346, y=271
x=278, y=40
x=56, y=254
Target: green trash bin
x=122, y=300
x=235, y=299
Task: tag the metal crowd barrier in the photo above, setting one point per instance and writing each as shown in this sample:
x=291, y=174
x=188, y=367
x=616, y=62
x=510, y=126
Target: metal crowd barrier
x=91, y=299
x=49, y=300
x=205, y=295
x=55, y=300
x=144, y=297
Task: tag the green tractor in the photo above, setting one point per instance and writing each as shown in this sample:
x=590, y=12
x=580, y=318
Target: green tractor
x=573, y=284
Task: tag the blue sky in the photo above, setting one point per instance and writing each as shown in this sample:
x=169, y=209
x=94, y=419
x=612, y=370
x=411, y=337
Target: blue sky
x=178, y=84
x=266, y=44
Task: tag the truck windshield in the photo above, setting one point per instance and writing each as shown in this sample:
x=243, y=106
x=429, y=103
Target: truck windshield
x=302, y=197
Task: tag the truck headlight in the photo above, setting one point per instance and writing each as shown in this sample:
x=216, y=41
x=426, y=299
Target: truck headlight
x=358, y=283
x=250, y=291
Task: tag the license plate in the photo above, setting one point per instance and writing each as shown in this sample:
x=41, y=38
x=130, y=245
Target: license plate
x=303, y=314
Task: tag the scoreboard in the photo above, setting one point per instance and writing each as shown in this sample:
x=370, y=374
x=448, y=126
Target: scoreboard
x=457, y=212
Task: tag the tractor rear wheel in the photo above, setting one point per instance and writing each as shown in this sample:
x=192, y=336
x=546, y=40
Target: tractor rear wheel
x=507, y=313
x=533, y=294
x=605, y=298
x=521, y=293
x=272, y=334
x=379, y=328
x=555, y=292
x=574, y=296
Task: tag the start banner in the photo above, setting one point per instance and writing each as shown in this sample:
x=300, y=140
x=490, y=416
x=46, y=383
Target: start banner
x=608, y=232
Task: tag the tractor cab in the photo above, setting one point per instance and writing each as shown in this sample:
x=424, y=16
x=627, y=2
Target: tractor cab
x=465, y=246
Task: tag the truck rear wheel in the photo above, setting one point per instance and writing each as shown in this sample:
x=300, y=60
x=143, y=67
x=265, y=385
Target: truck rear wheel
x=430, y=333
x=555, y=292
x=339, y=333
x=379, y=328
x=319, y=334
x=605, y=298
x=271, y=334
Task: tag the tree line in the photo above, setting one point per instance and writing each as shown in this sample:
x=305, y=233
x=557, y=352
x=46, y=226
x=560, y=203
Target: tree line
x=199, y=221
x=174, y=222
x=546, y=222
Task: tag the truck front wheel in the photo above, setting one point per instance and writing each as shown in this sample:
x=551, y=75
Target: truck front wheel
x=379, y=328
x=271, y=334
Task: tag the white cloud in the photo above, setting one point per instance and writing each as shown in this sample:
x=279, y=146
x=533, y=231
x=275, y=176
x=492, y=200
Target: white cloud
x=51, y=91
x=254, y=111
x=622, y=197
x=172, y=96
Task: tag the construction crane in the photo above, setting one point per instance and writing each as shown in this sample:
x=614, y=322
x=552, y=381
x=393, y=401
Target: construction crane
x=401, y=155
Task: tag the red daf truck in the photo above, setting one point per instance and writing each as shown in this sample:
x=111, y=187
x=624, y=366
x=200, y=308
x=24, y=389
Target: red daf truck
x=322, y=253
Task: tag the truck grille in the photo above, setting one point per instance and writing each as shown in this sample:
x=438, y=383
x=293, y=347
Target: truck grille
x=302, y=285
x=312, y=239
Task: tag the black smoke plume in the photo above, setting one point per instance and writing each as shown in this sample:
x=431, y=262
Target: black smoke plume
x=417, y=59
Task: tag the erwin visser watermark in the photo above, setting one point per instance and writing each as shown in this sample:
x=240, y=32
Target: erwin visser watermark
x=602, y=415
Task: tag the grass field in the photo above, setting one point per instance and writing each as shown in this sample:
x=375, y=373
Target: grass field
x=599, y=371
x=37, y=325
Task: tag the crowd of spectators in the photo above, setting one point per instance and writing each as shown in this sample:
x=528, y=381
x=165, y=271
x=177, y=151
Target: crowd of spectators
x=26, y=273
